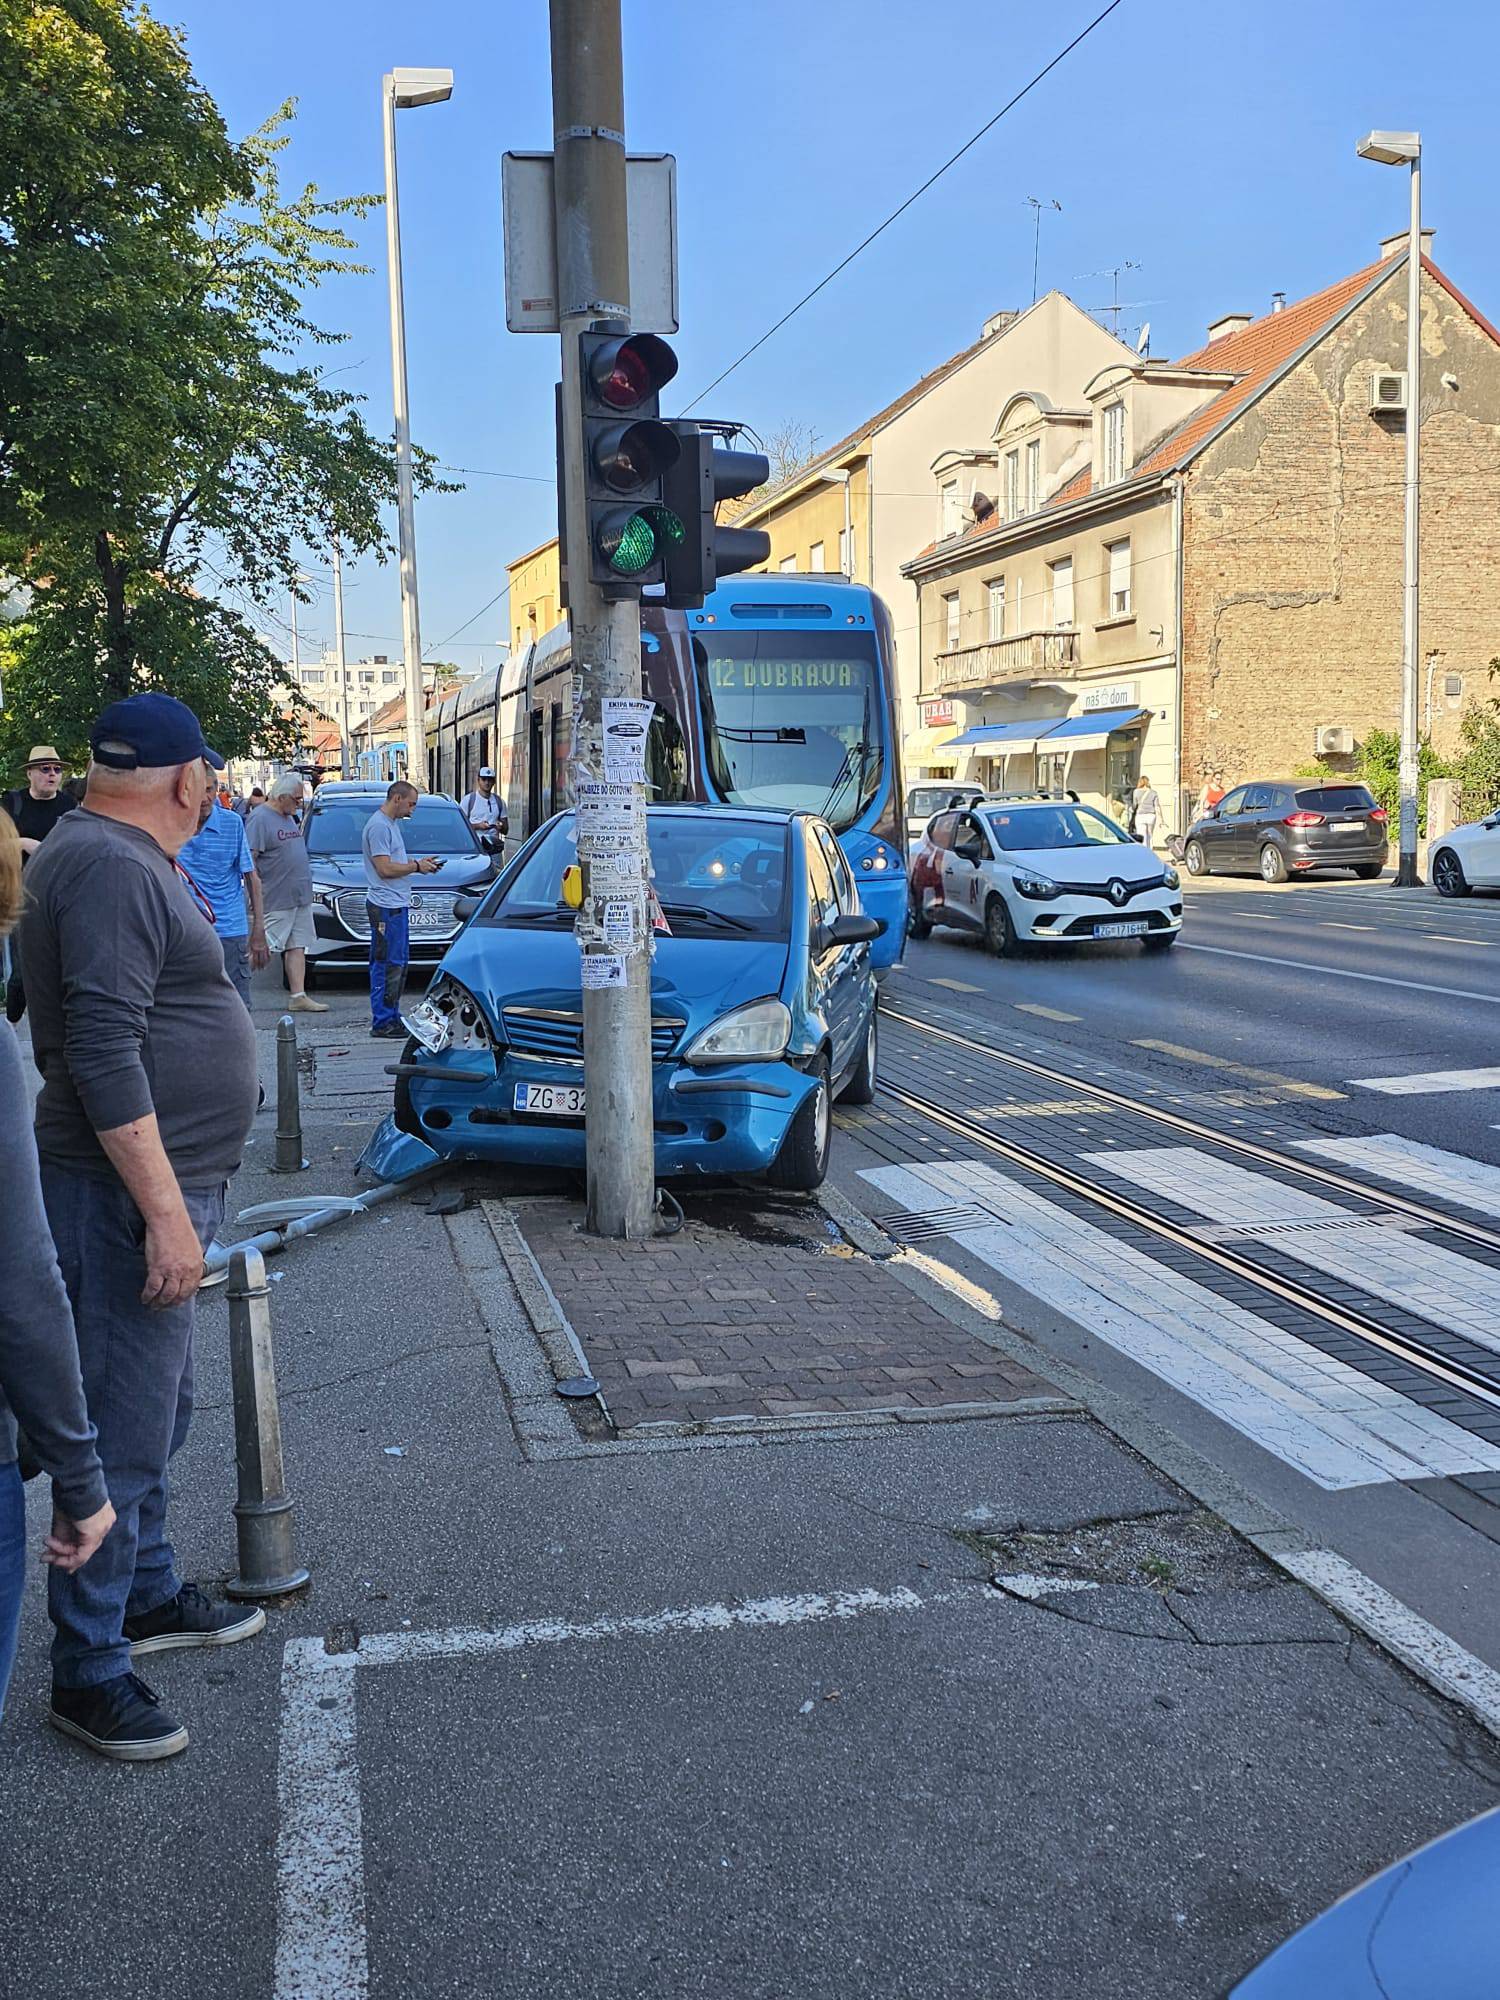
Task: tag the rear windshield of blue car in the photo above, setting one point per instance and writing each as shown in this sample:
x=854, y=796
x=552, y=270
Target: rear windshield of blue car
x=714, y=876
x=435, y=827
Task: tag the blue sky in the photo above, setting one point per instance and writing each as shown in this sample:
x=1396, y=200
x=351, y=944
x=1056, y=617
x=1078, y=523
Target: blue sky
x=1211, y=145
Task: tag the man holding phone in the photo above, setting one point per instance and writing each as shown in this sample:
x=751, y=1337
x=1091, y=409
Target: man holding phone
x=388, y=873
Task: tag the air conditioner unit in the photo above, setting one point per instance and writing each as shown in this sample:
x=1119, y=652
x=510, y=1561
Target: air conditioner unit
x=1388, y=392
x=1333, y=739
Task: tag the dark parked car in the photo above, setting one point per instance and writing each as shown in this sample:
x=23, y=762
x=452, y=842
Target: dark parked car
x=1287, y=826
x=333, y=827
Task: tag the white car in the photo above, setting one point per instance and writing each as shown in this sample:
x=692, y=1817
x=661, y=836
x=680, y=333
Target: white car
x=934, y=795
x=1468, y=858
x=1041, y=871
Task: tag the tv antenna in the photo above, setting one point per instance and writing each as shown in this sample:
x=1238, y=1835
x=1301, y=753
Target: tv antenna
x=1036, y=207
x=1117, y=305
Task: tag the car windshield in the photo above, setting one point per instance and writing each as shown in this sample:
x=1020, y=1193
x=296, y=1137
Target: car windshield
x=1335, y=799
x=435, y=827
x=922, y=801
x=1054, y=826
x=714, y=875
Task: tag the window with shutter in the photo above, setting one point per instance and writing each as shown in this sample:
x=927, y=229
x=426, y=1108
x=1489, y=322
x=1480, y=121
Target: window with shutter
x=1119, y=579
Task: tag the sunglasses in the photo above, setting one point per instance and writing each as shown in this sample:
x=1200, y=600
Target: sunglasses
x=54, y=769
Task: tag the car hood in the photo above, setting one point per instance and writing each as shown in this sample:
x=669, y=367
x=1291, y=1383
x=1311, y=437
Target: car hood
x=342, y=871
x=1130, y=862
x=693, y=979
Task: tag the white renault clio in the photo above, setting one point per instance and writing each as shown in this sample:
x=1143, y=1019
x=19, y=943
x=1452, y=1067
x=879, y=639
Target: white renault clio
x=1041, y=871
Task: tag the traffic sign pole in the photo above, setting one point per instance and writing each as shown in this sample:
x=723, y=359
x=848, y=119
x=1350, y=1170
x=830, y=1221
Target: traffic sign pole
x=593, y=277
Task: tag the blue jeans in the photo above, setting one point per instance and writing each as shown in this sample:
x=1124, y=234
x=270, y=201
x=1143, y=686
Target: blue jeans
x=138, y=1380
x=390, y=948
x=237, y=964
x=12, y=1567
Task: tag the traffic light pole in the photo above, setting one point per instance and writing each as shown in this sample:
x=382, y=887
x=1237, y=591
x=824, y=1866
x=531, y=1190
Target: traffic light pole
x=593, y=278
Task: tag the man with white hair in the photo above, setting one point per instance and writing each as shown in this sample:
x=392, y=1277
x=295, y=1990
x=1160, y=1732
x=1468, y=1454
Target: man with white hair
x=148, y=1090
x=280, y=855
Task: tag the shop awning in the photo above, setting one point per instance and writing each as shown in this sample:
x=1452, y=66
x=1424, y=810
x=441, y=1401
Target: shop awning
x=928, y=746
x=999, y=739
x=1081, y=732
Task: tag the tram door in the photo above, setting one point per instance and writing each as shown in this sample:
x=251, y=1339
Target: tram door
x=534, y=776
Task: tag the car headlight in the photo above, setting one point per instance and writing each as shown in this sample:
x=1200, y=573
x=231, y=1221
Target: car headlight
x=1040, y=888
x=1171, y=877
x=757, y=1032
x=449, y=1017
x=327, y=897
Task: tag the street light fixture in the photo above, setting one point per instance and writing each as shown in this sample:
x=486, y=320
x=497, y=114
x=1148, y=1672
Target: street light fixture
x=1396, y=149
x=401, y=89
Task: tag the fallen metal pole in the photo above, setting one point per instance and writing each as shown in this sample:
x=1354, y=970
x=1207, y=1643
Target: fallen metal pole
x=289, y=1158
x=270, y=1241
x=262, y=1513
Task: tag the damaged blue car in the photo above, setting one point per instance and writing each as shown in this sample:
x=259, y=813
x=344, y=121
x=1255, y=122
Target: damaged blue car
x=763, y=1009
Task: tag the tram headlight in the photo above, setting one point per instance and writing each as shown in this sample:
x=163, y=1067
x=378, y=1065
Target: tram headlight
x=878, y=860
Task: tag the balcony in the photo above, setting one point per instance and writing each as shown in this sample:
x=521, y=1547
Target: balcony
x=1025, y=656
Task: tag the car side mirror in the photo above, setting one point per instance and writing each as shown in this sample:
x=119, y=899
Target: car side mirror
x=968, y=850
x=465, y=906
x=853, y=927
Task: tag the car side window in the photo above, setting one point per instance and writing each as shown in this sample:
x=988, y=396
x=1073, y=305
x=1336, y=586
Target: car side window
x=1233, y=802
x=822, y=898
x=940, y=833
x=843, y=880
x=1258, y=798
x=971, y=834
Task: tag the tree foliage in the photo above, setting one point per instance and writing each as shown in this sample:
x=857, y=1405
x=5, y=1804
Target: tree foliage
x=1477, y=765
x=1377, y=762
x=171, y=445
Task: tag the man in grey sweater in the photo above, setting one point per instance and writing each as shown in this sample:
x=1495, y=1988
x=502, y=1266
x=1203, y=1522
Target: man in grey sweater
x=148, y=1071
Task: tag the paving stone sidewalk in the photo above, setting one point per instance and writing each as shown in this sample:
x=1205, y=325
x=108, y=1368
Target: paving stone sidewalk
x=757, y=1308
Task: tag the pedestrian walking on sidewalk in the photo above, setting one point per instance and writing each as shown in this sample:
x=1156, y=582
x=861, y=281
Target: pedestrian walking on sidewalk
x=39, y=1379
x=147, y=1058
x=36, y=807
x=1145, y=810
x=218, y=860
x=279, y=853
x=388, y=873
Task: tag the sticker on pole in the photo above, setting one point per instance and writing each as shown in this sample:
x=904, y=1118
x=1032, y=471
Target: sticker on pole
x=627, y=725
x=602, y=968
x=618, y=926
x=604, y=807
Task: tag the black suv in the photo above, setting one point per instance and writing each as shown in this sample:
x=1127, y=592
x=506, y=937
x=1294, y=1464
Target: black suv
x=1289, y=827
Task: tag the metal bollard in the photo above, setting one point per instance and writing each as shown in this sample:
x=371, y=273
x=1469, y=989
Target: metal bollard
x=263, y=1513
x=289, y=1158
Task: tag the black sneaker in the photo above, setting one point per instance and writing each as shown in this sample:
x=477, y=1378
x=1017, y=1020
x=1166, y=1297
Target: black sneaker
x=191, y=1618
x=122, y=1719
x=391, y=1032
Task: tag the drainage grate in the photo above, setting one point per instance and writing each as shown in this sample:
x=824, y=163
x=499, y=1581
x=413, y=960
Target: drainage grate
x=920, y=1225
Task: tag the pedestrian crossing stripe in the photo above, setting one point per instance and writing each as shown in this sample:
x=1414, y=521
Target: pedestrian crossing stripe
x=1426, y=1170
x=1337, y=1426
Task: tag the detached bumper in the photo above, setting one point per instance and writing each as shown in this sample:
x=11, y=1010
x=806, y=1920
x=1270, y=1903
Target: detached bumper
x=728, y=1119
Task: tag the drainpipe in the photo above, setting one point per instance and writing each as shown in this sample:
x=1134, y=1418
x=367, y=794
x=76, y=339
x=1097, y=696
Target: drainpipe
x=1177, y=565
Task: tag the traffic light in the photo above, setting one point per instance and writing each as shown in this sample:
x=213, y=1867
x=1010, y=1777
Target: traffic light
x=627, y=452
x=703, y=474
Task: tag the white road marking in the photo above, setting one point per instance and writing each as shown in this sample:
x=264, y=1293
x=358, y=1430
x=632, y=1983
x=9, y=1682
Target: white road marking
x=1475, y=1184
x=1339, y=972
x=1447, y=937
x=321, y=1946
x=956, y=985
x=1034, y=1587
x=1337, y=1426
x=1428, y=1083
x=1437, y=1285
x=1332, y=924
x=1047, y=1013
x=1440, y=1661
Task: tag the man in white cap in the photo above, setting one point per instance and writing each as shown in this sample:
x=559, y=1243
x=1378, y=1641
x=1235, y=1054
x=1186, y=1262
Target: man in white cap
x=484, y=809
x=36, y=807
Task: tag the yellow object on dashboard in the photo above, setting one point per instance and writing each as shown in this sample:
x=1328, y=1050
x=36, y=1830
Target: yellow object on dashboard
x=572, y=886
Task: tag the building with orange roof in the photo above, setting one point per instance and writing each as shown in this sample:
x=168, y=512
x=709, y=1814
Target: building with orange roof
x=1206, y=575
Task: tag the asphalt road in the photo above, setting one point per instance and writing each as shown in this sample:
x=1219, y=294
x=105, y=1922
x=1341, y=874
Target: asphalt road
x=1331, y=983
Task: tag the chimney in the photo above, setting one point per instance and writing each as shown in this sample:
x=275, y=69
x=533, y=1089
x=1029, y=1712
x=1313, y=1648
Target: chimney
x=1230, y=323
x=1392, y=246
x=1278, y=302
x=997, y=323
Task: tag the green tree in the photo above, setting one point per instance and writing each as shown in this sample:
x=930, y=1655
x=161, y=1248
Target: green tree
x=1477, y=765
x=171, y=445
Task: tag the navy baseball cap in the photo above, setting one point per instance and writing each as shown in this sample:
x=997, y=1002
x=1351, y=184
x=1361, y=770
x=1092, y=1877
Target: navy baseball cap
x=148, y=731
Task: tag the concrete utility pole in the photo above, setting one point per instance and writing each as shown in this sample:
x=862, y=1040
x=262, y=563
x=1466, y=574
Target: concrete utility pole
x=401, y=88
x=593, y=276
x=346, y=758
x=1394, y=149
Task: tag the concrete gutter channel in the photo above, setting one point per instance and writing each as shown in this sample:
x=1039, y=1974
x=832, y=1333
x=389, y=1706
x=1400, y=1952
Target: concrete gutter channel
x=547, y=1428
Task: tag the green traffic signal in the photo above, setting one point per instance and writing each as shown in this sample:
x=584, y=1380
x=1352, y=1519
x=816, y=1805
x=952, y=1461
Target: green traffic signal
x=632, y=540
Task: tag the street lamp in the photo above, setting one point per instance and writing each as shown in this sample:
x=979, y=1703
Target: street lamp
x=400, y=89
x=1395, y=149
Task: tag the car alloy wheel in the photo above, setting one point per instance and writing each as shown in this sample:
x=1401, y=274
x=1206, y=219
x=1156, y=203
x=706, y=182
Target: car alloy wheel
x=1272, y=863
x=1448, y=877
x=1196, y=859
x=999, y=932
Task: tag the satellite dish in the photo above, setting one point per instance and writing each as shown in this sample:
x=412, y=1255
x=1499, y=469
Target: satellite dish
x=1143, y=340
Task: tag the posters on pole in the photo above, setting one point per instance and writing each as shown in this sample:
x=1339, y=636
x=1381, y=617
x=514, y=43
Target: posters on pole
x=627, y=726
x=617, y=926
x=603, y=968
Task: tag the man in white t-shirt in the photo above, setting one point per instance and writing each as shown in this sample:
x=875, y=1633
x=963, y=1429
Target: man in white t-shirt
x=388, y=873
x=484, y=809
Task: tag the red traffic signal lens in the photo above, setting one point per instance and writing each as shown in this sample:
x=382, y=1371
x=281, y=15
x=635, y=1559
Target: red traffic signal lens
x=624, y=373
